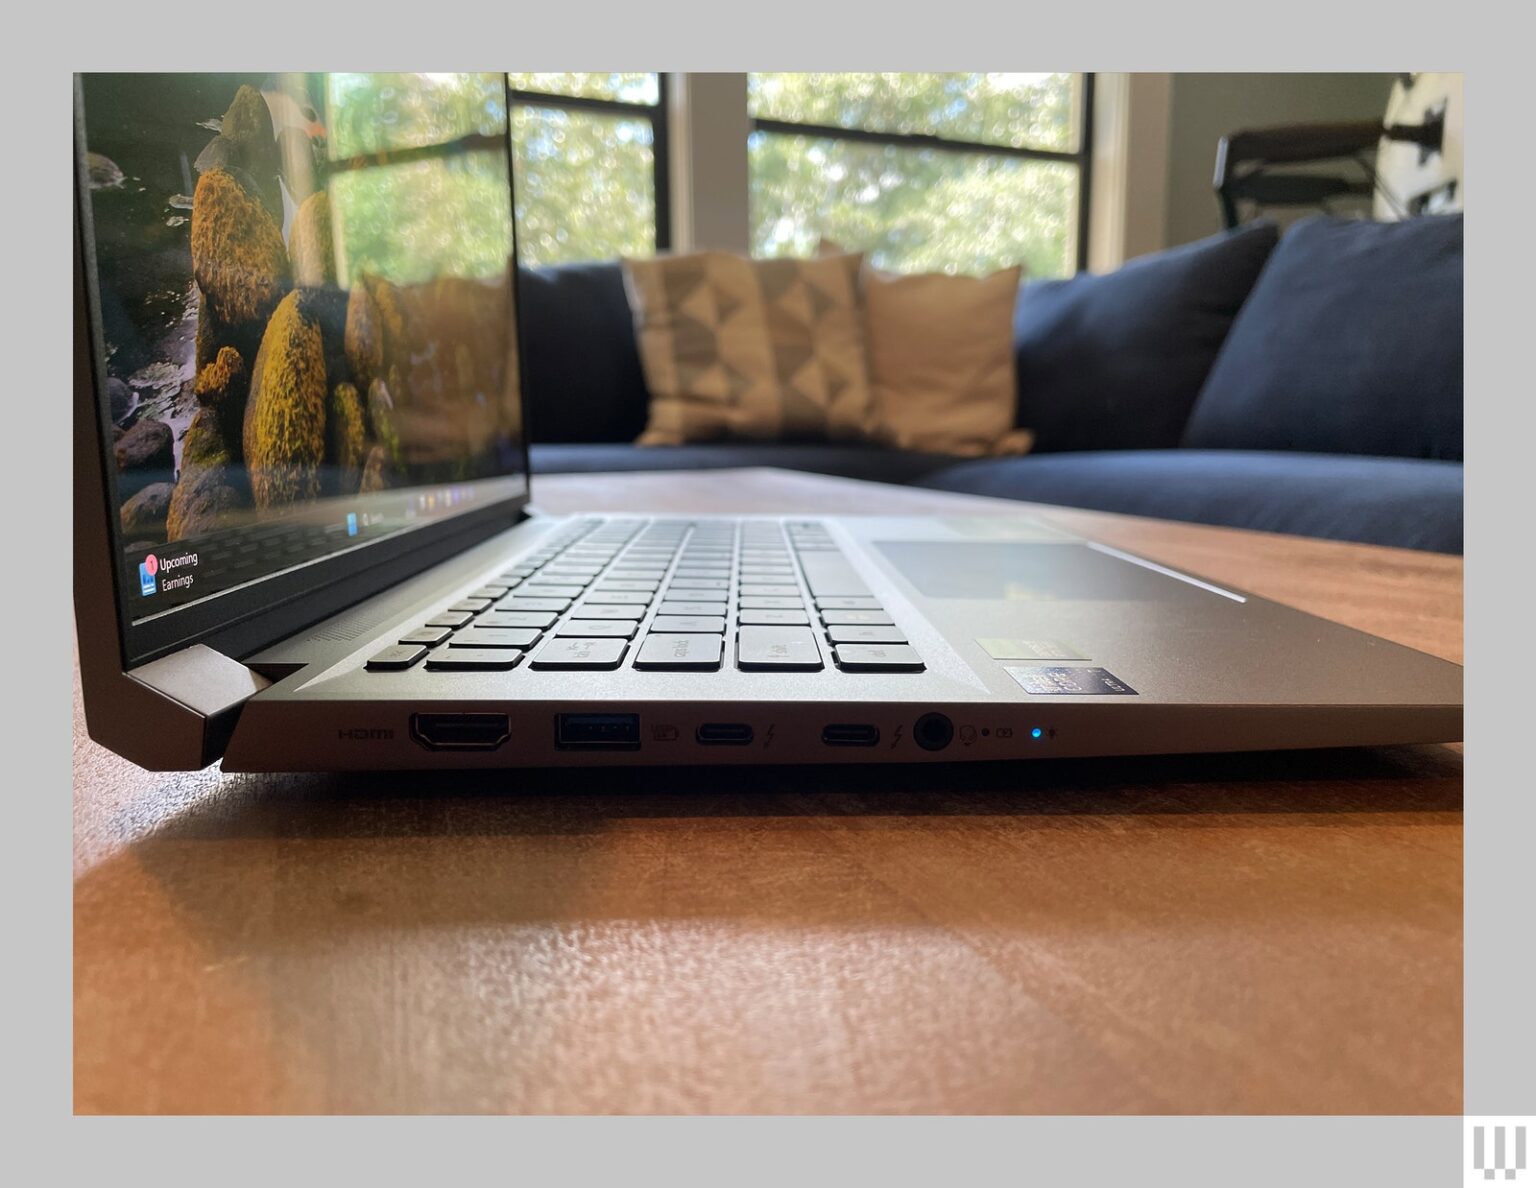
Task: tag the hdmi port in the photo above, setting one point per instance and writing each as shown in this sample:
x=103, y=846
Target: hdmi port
x=849, y=735
x=724, y=734
x=460, y=732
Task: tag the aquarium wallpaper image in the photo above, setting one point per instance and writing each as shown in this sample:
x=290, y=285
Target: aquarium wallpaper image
x=304, y=286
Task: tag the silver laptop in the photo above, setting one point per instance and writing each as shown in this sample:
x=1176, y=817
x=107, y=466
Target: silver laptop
x=304, y=539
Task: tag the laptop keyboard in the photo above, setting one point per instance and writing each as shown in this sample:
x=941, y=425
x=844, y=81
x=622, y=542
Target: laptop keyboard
x=666, y=596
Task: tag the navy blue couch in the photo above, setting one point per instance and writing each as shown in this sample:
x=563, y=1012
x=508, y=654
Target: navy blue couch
x=1308, y=384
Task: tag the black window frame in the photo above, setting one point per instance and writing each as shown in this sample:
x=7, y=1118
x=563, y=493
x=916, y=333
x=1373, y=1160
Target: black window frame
x=1081, y=158
x=653, y=113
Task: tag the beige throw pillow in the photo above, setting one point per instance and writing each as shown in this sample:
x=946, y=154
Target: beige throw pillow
x=941, y=362
x=733, y=347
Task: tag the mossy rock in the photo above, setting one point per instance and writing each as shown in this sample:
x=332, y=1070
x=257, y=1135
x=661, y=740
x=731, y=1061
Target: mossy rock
x=203, y=500
x=375, y=331
x=381, y=418
x=284, y=432
x=204, y=444
x=310, y=250
x=327, y=308
x=246, y=140
x=346, y=433
x=145, y=513
x=223, y=381
x=247, y=117
x=238, y=257
x=378, y=471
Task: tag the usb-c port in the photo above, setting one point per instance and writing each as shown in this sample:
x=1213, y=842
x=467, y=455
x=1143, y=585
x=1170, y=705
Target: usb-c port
x=847, y=734
x=724, y=734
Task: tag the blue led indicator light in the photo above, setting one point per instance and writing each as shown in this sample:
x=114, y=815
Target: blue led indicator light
x=1036, y=732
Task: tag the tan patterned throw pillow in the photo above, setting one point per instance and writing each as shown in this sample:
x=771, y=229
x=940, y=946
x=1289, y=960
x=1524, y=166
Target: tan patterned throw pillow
x=942, y=373
x=941, y=362
x=733, y=347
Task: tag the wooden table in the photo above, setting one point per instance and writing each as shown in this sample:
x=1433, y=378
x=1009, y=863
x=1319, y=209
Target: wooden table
x=1249, y=934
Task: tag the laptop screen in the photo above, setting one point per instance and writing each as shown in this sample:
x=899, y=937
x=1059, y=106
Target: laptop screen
x=304, y=305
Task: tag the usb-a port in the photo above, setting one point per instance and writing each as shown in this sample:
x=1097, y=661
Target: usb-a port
x=597, y=732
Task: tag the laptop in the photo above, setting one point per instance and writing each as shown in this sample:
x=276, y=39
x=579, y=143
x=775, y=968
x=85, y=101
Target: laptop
x=304, y=538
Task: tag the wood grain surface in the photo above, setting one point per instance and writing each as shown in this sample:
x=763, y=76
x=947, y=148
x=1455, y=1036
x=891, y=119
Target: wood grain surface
x=1253, y=934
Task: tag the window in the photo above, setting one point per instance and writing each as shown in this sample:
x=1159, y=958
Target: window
x=418, y=171
x=925, y=172
x=590, y=166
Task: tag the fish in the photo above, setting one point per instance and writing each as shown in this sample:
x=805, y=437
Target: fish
x=103, y=172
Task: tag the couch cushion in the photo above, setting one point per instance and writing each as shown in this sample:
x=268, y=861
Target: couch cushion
x=849, y=461
x=1116, y=361
x=941, y=361
x=737, y=348
x=580, y=366
x=1409, y=503
x=1351, y=343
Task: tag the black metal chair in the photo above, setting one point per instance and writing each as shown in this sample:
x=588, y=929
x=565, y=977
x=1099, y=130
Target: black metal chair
x=1246, y=166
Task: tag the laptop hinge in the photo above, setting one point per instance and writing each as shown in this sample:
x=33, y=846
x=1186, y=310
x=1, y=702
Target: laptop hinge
x=176, y=713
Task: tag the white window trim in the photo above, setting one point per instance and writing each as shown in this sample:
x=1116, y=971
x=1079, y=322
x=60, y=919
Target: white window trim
x=1127, y=206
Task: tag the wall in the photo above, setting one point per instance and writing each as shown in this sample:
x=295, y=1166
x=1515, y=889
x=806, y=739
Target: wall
x=1205, y=107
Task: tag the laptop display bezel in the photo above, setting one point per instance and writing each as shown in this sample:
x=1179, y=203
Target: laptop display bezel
x=270, y=608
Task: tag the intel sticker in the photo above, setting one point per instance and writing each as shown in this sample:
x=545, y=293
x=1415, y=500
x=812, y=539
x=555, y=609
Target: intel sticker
x=1071, y=682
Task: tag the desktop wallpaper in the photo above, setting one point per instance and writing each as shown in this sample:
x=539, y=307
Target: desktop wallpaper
x=305, y=294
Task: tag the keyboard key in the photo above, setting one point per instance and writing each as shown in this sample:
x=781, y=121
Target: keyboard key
x=777, y=648
x=534, y=589
x=491, y=592
x=517, y=603
x=699, y=583
x=643, y=573
x=629, y=584
x=691, y=593
x=428, y=637
x=830, y=575
x=598, y=629
x=473, y=605
x=516, y=618
x=494, y=637
x=856, y=618
x=681, y=652
x=580, y=653
x=608, y=610
x=784, y=590
x=878, y=658
x=396, y=657
x=450, y=619
x=767, y=572
x=774, y=618
x=864, y=635
x=843, y=602
x=622, y=597
x=474, y=659
x=696, y=624
x=774, y=603
x=691, y=607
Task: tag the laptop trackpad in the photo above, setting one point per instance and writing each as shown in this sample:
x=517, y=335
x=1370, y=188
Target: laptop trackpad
x=1019, y=572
